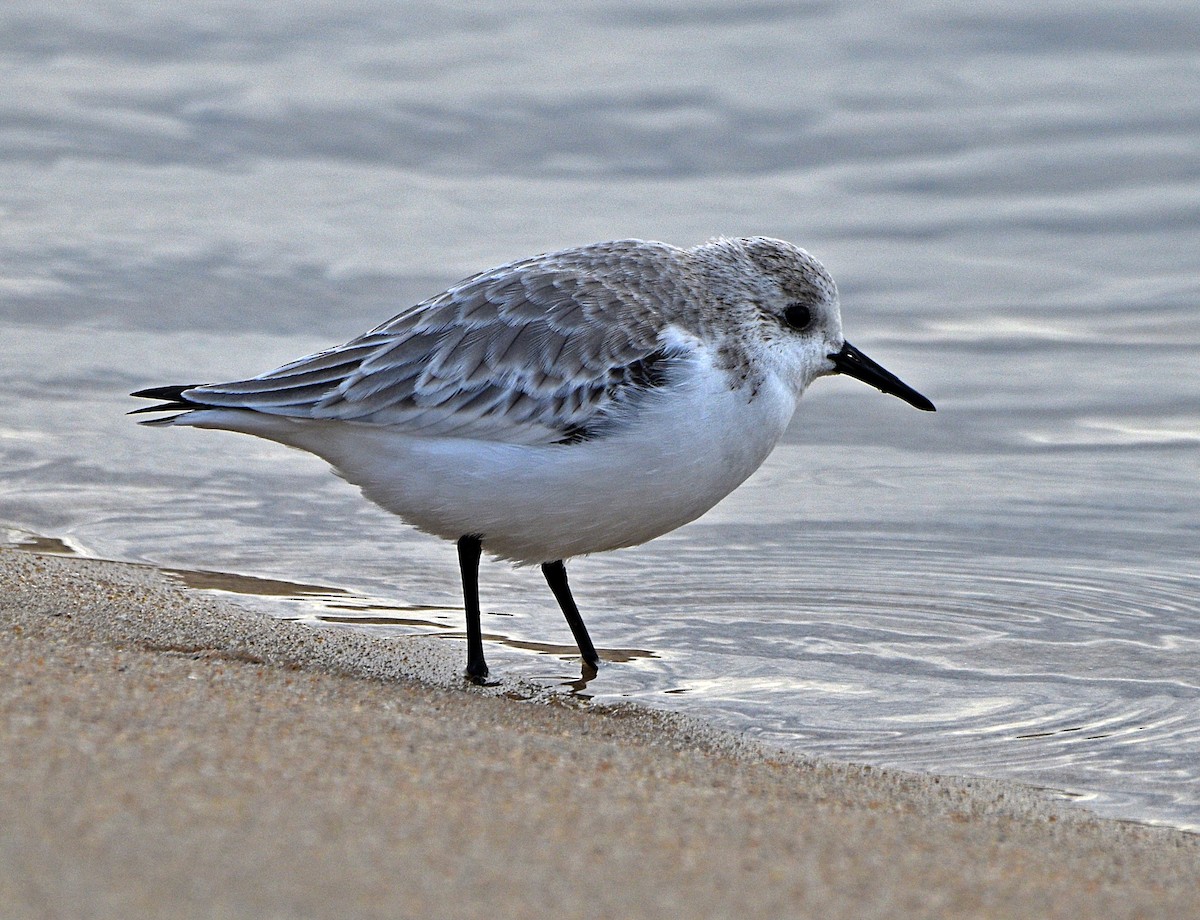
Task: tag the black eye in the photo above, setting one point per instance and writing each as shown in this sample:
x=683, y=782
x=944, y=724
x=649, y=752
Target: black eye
x=797, y=316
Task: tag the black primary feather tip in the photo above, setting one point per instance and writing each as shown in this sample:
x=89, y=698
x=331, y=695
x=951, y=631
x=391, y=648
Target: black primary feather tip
x=172, y=398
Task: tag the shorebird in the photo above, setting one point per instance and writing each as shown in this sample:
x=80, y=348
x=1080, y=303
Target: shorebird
x=564, y=404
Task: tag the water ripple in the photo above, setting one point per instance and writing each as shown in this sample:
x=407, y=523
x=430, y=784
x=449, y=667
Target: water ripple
x=949, y=656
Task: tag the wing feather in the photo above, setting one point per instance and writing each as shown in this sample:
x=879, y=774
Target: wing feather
x=537, y=351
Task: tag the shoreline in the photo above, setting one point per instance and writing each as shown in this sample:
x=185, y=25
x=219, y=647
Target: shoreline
x=162, y=750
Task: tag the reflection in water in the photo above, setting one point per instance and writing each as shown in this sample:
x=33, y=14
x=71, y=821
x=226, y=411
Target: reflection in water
x=562, y=652
x=380, y=620
x=250, y=584
x=364, y=605
x=1123, y=432
x=36, y=543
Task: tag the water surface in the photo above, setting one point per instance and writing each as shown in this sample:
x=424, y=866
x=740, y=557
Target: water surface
x=1009, y=199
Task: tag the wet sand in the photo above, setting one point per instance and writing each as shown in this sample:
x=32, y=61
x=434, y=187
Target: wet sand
x=163, y=753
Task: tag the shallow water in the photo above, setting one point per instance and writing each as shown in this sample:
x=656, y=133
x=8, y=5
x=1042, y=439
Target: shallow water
x=1009, y=199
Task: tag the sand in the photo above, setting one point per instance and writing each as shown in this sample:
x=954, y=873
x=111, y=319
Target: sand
x=166, y=754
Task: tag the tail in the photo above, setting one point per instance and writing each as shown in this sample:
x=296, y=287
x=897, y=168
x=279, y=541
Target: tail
x=188, y=405
x=174, y=401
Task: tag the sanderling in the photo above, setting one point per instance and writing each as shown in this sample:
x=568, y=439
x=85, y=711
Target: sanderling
x=569, y=403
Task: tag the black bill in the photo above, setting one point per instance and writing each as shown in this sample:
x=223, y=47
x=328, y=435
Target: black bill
x=853, y=363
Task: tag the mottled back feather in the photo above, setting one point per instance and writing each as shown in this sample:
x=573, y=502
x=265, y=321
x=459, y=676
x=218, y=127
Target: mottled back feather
x=552, y=349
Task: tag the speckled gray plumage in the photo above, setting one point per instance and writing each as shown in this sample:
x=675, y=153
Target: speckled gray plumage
x=542, y=349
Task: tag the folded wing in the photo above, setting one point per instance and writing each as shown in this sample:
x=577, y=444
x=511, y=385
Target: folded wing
x=556, y=348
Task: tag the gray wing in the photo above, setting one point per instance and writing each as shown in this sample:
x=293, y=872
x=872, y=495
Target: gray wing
x=550, y=349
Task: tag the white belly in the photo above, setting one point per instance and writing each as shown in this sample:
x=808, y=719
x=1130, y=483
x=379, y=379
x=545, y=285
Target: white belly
x=688, y=448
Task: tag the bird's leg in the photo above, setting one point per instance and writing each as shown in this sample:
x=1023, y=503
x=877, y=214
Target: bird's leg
x=556, y=578
x=469, y=549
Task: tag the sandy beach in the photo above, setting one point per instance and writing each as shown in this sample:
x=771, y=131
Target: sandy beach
x=163, y=753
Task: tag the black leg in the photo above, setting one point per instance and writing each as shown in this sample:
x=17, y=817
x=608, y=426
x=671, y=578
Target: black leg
x=469, y=548
x=556, y=578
